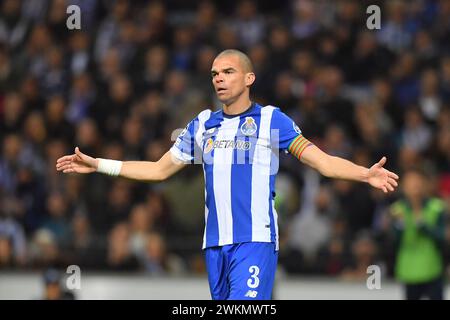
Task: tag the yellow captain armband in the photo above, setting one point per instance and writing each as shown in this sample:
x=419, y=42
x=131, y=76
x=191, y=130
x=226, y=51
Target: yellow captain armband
x=298, y=145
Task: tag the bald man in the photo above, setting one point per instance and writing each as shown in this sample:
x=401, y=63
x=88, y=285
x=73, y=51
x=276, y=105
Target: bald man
x=238, y=147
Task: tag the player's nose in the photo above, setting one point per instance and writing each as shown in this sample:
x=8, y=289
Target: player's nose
x=218, y=78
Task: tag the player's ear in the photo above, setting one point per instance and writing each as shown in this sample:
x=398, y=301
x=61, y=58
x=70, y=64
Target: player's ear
x=249, y=78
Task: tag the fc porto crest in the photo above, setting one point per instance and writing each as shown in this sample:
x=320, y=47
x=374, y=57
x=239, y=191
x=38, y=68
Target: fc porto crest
x=249, y=127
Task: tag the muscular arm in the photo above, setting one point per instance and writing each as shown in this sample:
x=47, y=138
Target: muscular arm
x=135, y=170
x=339, y=168
x=333, y=167
x=151, y=171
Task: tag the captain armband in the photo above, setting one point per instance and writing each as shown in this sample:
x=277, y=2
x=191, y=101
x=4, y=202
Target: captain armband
x=298, y=145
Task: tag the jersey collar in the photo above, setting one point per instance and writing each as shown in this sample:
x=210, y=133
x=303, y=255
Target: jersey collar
x=248, y=110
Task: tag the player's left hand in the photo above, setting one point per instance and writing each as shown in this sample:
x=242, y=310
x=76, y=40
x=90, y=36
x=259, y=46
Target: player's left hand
x=380, y=178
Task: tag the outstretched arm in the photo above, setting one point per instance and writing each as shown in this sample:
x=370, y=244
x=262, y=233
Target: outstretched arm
x=136, y=170
x=339, y=168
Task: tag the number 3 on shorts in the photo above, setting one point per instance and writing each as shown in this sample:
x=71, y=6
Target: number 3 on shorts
x=253, y=282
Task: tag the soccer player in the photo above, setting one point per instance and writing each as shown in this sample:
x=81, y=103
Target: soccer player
x=238, y=147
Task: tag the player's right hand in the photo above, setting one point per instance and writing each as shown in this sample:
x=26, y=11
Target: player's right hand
x=77, y=162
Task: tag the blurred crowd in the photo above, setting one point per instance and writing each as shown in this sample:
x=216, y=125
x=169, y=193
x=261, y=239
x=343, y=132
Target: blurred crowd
x=137, y=70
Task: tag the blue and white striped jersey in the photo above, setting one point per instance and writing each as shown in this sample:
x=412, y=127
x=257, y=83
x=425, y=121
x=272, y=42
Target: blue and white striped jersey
x=240, y=156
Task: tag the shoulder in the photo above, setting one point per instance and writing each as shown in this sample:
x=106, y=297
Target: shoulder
x=269, y=111
x=281, y=119
x=269, y=108
x=202, y=116
x=205, y=114
x=276, y=112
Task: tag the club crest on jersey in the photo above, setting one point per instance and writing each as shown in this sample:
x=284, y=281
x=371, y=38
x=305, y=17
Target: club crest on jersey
x=249, y=127
x=296, y=128
x=209, y=145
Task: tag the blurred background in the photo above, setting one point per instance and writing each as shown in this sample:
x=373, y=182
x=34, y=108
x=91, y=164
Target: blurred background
x=137, y=70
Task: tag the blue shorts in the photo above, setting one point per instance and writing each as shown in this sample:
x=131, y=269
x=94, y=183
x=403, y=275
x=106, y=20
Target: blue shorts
x=242, y=271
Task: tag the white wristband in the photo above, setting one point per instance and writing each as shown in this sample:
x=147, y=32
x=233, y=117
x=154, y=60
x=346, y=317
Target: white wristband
x=109, y=167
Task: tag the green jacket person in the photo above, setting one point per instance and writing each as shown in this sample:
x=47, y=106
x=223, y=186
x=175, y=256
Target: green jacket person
x=419, y=228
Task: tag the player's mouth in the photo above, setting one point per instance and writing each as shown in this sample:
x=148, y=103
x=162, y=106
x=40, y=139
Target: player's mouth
x=221, y=90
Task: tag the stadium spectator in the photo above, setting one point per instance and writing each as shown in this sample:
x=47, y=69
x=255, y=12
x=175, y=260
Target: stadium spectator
x=363, y=254
x=157, y=260
x=418, y=224
x=54, y=286
x=119, y=256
